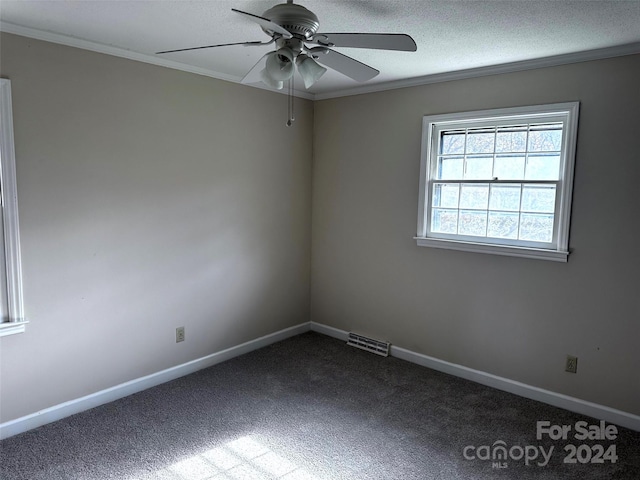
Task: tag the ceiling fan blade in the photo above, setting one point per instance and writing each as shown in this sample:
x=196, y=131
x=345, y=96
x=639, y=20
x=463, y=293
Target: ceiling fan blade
x=253, y=75
x=381, y=41
x=265, y=23
x=211, y=46
x=346, y=65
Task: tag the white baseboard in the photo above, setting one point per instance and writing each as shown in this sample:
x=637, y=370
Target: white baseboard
x=583, y=407
x=57, y=412
x=329, y=331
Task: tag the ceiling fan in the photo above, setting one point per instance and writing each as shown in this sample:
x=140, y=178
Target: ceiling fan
x=294, y=30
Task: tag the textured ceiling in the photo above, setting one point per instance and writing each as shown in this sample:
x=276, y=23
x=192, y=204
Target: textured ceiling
x=451, y=35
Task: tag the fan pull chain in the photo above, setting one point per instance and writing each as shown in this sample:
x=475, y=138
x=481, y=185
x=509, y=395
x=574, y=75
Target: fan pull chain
x=290, y=99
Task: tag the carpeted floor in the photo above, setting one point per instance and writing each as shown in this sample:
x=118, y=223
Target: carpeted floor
x=312, y=408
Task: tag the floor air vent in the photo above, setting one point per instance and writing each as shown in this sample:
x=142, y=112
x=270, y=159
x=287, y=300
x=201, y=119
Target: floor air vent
x=368, y=344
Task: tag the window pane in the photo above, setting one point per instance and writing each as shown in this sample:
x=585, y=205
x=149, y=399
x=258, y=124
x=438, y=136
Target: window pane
x=473, y=195
x=450, y=168
x=479, y=167
x=539, y=198
x=543, y=166
x=473, y=223
x=444, y=221
x=536, y=227
x=452, y=142
x=503, y=225
x=480, y=141
x=545, y=138
x=511, y=139
x=505, y=197
x=509, y=167
x=446, y=195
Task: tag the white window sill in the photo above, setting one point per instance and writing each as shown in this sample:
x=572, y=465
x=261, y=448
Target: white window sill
x=11, y=328
x=552, y=255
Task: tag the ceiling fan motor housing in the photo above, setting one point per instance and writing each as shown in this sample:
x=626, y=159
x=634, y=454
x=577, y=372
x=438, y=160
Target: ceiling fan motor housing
x=296, y=19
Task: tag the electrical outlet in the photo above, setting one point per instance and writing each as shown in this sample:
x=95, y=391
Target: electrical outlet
x=179, y=334
x=572, y=364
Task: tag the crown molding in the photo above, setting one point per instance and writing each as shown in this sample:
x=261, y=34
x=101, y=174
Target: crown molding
x=553, y=61
x=556, y=60
x=128, y=54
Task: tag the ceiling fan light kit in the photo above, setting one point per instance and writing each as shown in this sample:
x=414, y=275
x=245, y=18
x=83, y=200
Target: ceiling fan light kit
x=291, y=27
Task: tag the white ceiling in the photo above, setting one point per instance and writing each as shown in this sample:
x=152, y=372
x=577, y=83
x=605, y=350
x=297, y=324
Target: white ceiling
x=451, y=35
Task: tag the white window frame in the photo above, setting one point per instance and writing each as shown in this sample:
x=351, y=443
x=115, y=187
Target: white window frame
x=558, y=249
x=13, y=320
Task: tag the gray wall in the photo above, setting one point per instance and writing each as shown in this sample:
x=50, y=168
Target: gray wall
x=149, y=198
x=512, y=317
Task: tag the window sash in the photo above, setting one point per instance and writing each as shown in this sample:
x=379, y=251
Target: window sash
x=430, y=233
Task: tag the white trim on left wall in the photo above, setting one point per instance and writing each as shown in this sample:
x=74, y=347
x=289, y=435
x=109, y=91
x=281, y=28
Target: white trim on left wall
x=13, y=320
x=66, y=409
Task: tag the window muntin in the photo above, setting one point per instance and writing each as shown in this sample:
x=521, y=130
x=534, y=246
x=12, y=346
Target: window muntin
x=500, y=178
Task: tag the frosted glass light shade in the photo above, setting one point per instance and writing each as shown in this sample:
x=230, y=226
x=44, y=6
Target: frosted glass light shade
x=279, y=65
x=266, y=78
x=309, y=70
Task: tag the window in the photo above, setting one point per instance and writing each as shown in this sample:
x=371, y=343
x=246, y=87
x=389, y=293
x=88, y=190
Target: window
x=11, y=308
x=499, y=181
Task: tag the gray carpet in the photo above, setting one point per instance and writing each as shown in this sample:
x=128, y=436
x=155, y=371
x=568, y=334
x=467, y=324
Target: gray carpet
x=310, y=408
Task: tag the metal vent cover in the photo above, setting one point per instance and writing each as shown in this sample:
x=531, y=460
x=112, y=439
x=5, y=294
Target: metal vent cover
x=369, y=344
